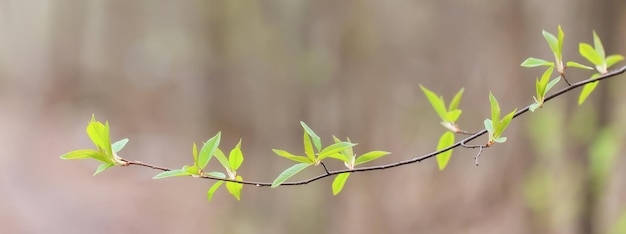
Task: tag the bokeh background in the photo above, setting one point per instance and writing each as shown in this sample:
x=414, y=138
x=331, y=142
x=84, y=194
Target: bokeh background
x=169, y=73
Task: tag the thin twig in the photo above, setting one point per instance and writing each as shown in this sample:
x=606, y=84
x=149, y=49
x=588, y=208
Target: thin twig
x=408, y=161
x=325, y=169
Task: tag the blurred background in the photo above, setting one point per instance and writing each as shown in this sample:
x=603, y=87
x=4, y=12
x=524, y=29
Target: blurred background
x=169, y=73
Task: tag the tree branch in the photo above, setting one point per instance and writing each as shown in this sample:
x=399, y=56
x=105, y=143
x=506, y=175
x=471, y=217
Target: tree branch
x=460, y=143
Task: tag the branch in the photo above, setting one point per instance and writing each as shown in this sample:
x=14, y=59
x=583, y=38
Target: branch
x=460, y=143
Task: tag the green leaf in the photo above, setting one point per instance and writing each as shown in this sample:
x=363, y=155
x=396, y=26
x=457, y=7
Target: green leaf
x=597, y=44
x=103, y=167
x=456, y=100
x=316, y=139
x=288, y=155
x=551, y=84
x=235, y=188
x=177, y=172
x=505, y=123
x=308, y=147
x=333, y=149
x=99, y=135
x=345, y=155
x=578, y=65
x=236, y=157
x=534, y=106
x=535, y=62
x=194, y=170
x=590, y=54
x=453, y=116
x=495, y=110
x=219, y=154
x=446, y=140
x=436, y=102
x=216, y=174
x=587, y=89
x=369, y=156
x=500, y=139
x=208, y=150
x=212, y=190
x=561, y=35
x=552, y=42
x=489, y=126
x=194, y=152
x=339, y=182
x=288, y=173
x=613, y=59
x=119, y=145
x=81, y=154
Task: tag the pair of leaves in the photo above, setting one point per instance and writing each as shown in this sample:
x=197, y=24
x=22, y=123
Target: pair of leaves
x=542, y=87
x=230, y=164
x=495, y=126
x=351, y=161
x=597, y=57
x=106, y=153
x=448, y=115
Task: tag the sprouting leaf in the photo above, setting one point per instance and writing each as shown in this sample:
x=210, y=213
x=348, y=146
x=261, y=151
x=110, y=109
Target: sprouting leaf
x=553, y=42
x=500, y=139
x=316, y=139
x=505, y=123
x=296, y=158
x=194, y=152
x=578, y=65
x=535, y=62
x=213, y=189
x=590, y=54
x=236, y=157
x=446, y=140
x=489, y=126
x=99, y=135
x=216, y=174
x=453, y=116
x=534, y=106
x=495, y=110
x=333, y=149
x=103, y=167
x=346, y=155
x=235, y=188
x=587, y=89
x=561, y=35
x=308, y=147
x=551, y=84
x=219, y=154
x=436, y=102
x=455, y=102
x=597, y=44
x=613, y=59
x=177, y=172
x=194, y=170
x=80, y=154
x=288, y=173
x=339, y=182
x=369, y=156
x=119, y=145
x=208, y=150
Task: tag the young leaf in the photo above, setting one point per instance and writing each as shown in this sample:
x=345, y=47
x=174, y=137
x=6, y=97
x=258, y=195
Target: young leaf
x=288, y=173
x=193, y=170
x=177, y=172
x=308, y=147
x=194, y=152
x=296, y=158
x=447, y=139
x=119, y=145
x=597, y=44
x=436, y=102
x=369, y=156
x=103, y=167
x=500, y=139
x=99, y=135
x=578, y=65
x=333, y=149
x=535, y=62
x=495, y=109
x=212, y=190
x=586, y=92
x=590, y=54
x=456, y=100
x=339, y=182
x=552, y=42
x=505, y=122
x=613, y=59
x=235, y=188
x=534, y=107
x=489, y=126
x=551, y=84
x=80, y=154
x=561, y=35
x=316, y=139
x=236, y=157
x=208, y=150
x=216, y=174
x=219, y=154
x=453, y=116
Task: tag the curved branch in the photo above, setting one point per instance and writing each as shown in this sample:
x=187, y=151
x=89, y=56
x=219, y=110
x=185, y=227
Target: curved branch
x=405, y=162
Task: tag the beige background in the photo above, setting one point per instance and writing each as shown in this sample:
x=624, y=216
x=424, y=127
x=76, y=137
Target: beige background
x=169, y=73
